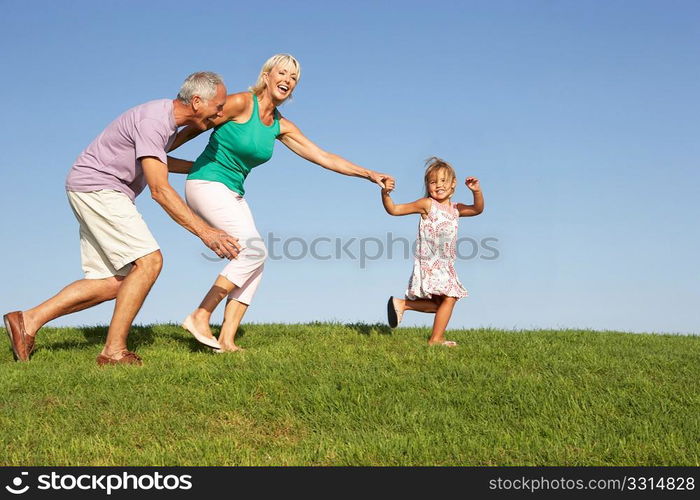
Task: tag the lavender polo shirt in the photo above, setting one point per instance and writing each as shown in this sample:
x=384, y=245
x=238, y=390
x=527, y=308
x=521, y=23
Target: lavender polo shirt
x=113, y=159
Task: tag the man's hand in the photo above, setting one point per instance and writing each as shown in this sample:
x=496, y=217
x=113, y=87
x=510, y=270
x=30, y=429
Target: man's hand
x=380, y=179
x=223, y=244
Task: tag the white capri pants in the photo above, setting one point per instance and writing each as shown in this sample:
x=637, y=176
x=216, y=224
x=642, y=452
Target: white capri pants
x=225, y=209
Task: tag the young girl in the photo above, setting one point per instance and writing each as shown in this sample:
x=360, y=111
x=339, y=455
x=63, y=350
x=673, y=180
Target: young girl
x=434, y=286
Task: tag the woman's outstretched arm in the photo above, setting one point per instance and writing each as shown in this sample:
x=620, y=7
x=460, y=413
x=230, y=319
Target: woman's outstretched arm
x=294, y=139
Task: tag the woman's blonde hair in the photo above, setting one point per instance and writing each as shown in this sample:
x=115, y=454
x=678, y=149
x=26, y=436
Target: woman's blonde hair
x=286, y=60
x=435, y=164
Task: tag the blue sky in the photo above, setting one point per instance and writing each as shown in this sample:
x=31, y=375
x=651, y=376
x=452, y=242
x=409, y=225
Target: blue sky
x=580, y=119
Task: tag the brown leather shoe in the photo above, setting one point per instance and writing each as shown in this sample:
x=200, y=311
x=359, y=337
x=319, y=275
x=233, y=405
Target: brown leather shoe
x=128, y=358
x=14, y=322
x=29, y=344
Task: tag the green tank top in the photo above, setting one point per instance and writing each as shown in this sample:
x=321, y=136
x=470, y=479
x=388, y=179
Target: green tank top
x=234, y=149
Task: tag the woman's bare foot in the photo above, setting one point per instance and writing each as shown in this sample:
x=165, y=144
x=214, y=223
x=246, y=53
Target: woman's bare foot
x=443, y=342
x=229, y=347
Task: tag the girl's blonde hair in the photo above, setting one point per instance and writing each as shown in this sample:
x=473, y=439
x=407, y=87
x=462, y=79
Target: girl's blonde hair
x=285, y=60
x=435, y=164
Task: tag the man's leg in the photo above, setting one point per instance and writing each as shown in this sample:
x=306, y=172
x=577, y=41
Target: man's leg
x=79, y=295
x=130, y=297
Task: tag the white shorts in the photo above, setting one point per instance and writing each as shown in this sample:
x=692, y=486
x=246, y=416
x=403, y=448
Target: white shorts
x=112, y=232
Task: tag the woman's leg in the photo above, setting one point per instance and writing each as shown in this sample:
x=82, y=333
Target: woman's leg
x=225, y=209
x=233, y=314
x=236, y=306
x=442, y=317
x=201, y=317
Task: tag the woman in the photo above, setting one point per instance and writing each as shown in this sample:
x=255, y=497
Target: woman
x=243, y=139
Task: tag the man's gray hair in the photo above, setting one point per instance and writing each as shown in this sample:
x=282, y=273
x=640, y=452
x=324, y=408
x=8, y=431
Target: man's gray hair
x=202, y=83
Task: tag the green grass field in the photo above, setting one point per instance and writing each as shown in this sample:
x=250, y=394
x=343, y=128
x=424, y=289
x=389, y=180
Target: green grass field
x=334, y=394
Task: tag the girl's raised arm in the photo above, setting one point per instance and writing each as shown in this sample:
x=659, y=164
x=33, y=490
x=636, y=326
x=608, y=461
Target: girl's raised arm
x=478, y=206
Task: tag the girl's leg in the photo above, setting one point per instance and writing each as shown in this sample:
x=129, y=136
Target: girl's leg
x=442, y=317
x=233, y=314
x=420, y=305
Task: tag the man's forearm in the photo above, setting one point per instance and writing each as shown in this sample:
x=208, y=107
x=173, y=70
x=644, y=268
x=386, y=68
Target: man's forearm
x=177, y=209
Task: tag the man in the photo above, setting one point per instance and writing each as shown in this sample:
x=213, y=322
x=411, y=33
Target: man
x=120, y=258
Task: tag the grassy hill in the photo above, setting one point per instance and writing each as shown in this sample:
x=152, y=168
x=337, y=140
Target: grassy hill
x=334, y=394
